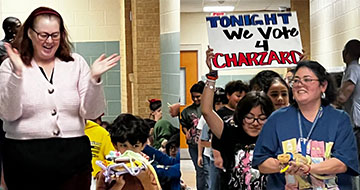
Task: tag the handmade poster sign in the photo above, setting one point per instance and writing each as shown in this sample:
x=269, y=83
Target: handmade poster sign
x=254, y=40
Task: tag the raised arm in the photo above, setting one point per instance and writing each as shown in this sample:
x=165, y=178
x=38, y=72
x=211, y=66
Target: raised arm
x=11, y=85
x=90, y=86
x=214, y=122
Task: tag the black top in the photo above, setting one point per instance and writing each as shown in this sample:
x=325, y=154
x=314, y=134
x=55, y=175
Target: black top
x=224, y=113
x=237, y=149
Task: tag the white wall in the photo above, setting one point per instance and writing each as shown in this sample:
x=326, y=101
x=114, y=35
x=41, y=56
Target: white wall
x=333, y=23
x=169, y=16
x=86, y=20
x=193, y=36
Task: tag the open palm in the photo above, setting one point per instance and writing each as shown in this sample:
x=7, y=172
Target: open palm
x=103, y=64
x=15, y=58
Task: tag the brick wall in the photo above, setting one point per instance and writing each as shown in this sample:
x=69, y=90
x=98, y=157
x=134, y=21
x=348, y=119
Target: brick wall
x=146, y=54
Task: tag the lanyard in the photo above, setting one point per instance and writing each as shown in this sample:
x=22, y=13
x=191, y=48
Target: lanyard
x=303, y=142
x=313, y=125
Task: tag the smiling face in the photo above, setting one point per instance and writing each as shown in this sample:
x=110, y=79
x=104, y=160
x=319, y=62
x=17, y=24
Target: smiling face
x=44, y=50
x=306, y=93
x=196, y=97
x=234, y=98
x=254, y=129
x=279, y=95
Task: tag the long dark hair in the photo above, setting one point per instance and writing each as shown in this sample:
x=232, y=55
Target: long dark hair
x=24, y=45
x=322, y=75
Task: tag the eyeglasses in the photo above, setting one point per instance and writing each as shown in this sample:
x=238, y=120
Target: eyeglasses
x=43, y=36
x=250, y=119
x=304, y=81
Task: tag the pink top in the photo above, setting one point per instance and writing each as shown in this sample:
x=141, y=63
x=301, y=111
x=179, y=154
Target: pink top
x=32, y=108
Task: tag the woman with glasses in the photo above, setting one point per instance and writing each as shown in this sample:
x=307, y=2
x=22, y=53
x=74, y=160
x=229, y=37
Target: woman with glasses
x=238, y=135
x=316, y=139
x=46, y=93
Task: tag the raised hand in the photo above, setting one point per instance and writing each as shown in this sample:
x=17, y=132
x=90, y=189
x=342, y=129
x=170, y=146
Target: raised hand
x=209, y=55
x=103, y=64
x=174, y=109
x=15, y=59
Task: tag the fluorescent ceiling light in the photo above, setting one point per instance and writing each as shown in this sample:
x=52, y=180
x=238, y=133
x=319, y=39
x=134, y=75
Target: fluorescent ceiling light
x=218, y=8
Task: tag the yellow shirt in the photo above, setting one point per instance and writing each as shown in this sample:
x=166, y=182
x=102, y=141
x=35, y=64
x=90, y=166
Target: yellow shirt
x=100, y=143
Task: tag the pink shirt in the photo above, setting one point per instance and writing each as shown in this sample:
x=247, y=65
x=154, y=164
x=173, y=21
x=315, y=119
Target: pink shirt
x=33, y=108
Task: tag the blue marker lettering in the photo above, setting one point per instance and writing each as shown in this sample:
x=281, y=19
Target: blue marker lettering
x=272, y=19
x=285, y=17
x=256, y=22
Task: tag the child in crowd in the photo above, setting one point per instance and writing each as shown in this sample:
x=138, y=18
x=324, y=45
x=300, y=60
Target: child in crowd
x=155, y=109
x=189, y=119
x=168, y=165
x=100, y=146
x=129, y=132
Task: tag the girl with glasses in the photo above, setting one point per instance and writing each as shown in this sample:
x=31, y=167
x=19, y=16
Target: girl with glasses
x=313, y=129
x=238, y=135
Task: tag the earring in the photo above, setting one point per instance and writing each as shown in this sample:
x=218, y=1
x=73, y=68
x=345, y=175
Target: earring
x=323, y=95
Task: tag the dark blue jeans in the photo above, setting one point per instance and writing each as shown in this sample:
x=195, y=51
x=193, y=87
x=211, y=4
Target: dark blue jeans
x=214, y=176
x=202, y=174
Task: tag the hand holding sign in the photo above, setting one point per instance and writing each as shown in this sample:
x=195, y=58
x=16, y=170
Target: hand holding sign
x=209, y=57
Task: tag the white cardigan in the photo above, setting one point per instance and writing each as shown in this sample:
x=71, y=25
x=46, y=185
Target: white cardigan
x=32, y=108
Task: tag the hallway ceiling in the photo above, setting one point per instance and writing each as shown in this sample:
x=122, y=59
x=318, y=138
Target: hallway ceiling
x=240, y=5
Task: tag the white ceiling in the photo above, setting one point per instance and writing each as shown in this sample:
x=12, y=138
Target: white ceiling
x=240, y=5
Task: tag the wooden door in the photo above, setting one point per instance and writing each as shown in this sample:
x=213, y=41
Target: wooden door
x=189, y=70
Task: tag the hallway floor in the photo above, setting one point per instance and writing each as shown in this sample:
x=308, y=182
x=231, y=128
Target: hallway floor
x=188, y=173
x=187, y=169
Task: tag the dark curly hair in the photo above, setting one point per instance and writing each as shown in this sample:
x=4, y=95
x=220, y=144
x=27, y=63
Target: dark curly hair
x=236, y=86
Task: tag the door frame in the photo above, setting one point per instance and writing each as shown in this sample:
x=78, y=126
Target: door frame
x=194, y=47
x=197, y=49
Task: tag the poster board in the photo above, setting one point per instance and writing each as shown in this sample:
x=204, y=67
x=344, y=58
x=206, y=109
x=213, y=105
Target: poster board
x=254, y=40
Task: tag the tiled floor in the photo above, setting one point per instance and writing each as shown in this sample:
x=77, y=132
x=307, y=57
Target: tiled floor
x=188, y=173
x=187, y=170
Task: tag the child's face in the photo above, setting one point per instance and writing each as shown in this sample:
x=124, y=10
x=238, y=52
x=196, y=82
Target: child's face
x=122, y=147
